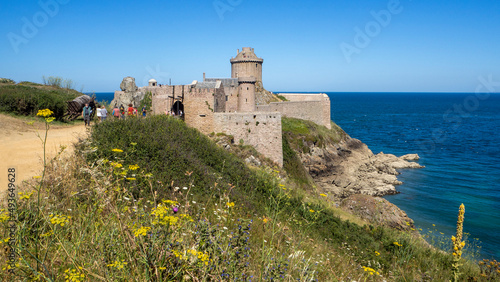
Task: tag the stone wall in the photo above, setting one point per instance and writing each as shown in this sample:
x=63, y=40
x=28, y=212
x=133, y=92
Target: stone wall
x=313, y=107
x=199, y=103
x=261, y=130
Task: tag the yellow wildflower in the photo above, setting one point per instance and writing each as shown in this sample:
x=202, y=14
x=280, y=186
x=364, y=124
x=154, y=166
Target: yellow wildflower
x=4, y=215
x=311, y=210
x=117, y=150
x=74, y=275
x=141, y=231
x=230, y=205
x=133, y=167
x=397, y=244
x=322, y=195
x=118, y=264
x=59, y=219
x=45, y=113
x=377, y=253
x=25, y=195
x=131, y=178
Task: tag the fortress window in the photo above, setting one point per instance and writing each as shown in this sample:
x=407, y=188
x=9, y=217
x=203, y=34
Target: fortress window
x=256, y=65
x=247, y=88
x=246, y=100
x=226, y=98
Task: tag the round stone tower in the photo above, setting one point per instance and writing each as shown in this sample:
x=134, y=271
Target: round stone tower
x=246, y=94
x=246, y=64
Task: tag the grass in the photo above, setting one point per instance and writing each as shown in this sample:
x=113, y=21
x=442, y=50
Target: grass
x=154, y=200
x=28, y=98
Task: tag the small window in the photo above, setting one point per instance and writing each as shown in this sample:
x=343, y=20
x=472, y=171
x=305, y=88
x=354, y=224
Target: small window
x=203, y=115
x=226, y=98
x=247, y=88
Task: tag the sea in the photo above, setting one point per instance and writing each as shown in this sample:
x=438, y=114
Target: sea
x=456, y=135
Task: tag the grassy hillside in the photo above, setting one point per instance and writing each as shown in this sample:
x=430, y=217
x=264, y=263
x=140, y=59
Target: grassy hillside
x=153, y=200
x=26, y=98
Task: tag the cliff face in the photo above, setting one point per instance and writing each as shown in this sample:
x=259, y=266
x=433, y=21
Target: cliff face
x=344, y=166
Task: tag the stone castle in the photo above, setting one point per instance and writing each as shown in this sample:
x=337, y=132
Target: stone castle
x=237, y=106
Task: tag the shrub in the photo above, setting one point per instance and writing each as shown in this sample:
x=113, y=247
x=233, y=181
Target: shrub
x=25, y=100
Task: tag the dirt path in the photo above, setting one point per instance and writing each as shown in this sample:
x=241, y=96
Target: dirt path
x=20, y=147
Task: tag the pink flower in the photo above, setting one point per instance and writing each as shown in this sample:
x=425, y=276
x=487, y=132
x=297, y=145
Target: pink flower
x=175, y=209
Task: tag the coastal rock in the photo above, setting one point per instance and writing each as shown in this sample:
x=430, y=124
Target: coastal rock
x=130, y=94
x=378, y=211
x=350, y=167
x=128, y=84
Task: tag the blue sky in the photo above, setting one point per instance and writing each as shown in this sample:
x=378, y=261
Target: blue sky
x=338, y=46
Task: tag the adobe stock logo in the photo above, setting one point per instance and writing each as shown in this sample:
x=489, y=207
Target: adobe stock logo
x=223, y=6
x=363, y=37
x=30, y=27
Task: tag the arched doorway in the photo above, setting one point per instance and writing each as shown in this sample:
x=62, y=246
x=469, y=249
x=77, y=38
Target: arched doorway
x=178, y=109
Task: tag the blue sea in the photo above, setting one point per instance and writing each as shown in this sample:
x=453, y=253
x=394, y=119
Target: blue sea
x=457, y=136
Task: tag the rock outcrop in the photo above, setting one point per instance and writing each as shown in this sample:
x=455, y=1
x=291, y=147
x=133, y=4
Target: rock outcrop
x=130, y=93
x=377, y=211
x=350, y=167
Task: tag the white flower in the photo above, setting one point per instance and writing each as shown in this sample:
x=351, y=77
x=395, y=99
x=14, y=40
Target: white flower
x=128, y=199
x=185, y=188
x=193, y=202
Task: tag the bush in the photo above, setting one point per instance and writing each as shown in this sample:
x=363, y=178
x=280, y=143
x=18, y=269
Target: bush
x=25, y=100
x=7, y=80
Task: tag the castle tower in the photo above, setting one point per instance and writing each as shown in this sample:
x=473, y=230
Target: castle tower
x=246, y=94
x=246, y=64
x=152, y=82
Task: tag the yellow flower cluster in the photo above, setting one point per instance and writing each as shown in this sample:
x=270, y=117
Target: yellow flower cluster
x=48, y=234
x=170, y=202
x=377, y=253
x=201, y=256
x=118, y=264
x=370, y=270
x=73, y=275
x=116, y=165
x=117, y=150
x=4, y=215
x=162, y=217
x=25, y=195
x=397, y=244
x=133, y=167
x=59, y=219
x=458, y=245
x=230, y=205
x=46, y=113
x=322, y=195
x=141, y=231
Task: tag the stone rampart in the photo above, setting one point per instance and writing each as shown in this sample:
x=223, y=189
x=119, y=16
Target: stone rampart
x=261, y=130
x=313, y=107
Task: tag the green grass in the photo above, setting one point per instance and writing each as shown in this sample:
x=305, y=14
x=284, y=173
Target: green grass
x=27, y=98
x=108, y=214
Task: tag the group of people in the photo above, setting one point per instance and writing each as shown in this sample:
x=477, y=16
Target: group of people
x=117, y=113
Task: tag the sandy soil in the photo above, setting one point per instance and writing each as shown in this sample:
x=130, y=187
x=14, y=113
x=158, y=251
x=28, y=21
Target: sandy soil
x=20, y=147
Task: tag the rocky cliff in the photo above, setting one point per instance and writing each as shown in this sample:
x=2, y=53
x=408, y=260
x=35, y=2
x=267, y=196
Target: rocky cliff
x=347, y=170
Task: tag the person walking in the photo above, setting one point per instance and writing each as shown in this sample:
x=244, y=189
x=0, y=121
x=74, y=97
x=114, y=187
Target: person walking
x=116, y=112
x=122, y=111
x=130, y=110
x=86, y=114
x=98, y=113
x=144, y=111
x=104, y=113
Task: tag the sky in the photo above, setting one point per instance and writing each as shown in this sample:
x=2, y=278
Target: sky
x=307, y=46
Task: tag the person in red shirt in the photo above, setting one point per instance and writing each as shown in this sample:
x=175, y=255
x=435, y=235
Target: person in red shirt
x=130, y=110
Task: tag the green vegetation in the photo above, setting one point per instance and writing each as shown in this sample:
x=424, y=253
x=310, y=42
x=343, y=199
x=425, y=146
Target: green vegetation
x=302, y=134
x=27, y=98
x=7, y=81
x=154, y=200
